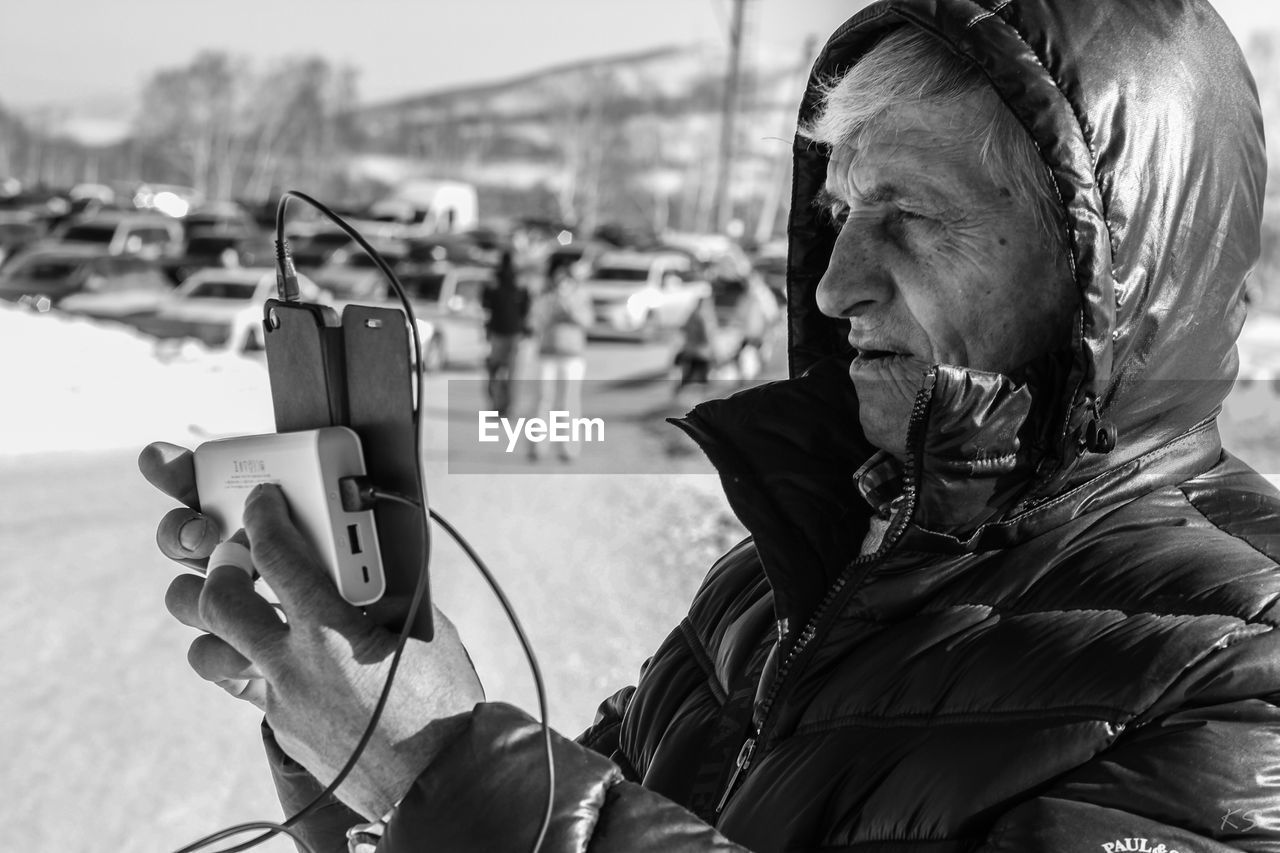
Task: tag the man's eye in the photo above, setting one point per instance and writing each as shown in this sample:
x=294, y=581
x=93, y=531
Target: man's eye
x=837, y=212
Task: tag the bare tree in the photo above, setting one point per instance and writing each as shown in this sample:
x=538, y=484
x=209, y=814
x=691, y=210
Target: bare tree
x=229, y=132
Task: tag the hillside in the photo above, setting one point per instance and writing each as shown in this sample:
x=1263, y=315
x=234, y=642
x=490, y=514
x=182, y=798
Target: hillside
x=630, y=137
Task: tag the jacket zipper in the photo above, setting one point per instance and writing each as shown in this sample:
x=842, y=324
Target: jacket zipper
x=740, y=766
x=914, y=426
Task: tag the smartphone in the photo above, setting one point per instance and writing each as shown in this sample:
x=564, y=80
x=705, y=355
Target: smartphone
x=355, y=370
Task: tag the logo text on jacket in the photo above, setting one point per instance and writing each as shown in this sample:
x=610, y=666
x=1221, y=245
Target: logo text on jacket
x=1135, y=845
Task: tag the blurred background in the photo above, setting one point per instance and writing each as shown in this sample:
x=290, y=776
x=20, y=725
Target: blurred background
x=641, y=149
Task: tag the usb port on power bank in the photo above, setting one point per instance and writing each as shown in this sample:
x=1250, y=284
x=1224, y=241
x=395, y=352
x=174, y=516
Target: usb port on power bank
x=353, y=537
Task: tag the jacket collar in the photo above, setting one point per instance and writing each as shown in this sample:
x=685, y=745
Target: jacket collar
x=787, y=454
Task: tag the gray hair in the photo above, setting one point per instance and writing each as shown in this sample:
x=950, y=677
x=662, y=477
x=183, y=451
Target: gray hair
x=910, y=66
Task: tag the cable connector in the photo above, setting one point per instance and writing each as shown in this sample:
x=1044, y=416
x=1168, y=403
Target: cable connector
x=287, y=288
x=357, y=493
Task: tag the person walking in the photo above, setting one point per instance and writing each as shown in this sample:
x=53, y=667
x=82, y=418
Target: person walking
x=562, y=315
x=506, y=308
x=698, y=354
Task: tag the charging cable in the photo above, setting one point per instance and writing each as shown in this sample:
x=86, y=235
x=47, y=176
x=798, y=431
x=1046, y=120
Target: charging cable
x=363, y=494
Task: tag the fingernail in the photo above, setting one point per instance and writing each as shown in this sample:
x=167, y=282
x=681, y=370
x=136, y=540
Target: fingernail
x=194, y=533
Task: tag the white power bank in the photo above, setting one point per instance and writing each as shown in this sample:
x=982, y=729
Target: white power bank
x=307, y=466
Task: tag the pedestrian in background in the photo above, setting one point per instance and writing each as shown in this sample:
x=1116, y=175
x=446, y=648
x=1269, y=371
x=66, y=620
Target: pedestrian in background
x=749, y=309
x=697, y=356
x=507, y=324
x=562, y=315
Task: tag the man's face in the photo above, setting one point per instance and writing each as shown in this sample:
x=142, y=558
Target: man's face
x=936, y=262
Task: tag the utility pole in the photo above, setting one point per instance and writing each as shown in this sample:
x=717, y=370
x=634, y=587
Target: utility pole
x=722, y=206
x=778, y=185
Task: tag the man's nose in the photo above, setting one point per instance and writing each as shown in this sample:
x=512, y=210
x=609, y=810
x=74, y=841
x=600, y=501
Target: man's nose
x=857, y=279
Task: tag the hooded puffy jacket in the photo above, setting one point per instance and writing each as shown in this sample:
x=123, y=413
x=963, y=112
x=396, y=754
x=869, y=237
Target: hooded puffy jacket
x=1087, y=662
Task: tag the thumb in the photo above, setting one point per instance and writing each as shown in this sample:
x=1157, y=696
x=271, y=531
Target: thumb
x=289, y=563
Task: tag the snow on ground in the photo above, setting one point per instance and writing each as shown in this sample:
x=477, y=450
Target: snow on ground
x=74, y=384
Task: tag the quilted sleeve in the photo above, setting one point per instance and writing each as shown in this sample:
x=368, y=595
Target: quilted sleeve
x=487, y=791
x=602, y=735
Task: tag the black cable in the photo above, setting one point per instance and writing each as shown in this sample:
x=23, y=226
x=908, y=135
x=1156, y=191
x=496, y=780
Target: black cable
x=288, y=291
x=287, y=282
x=374, y=717
x=274, y=829
x=538, y=683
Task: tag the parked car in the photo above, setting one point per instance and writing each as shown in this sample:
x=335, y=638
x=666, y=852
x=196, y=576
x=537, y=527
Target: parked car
x=450, y=248
x=220, y=235
x=771, y=263
x=348, y=267
x=643, y=292
x=124, y=233
x=18, y=230
x=313, y=248
x=169, y=199
x=222, y=307
x=84, y=279
x=715, y=254
x=575, y=257
x=446, y=301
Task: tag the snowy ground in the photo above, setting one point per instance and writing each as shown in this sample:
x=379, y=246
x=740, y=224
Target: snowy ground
x=102, y=719
x=73, y=384
x=101, y=713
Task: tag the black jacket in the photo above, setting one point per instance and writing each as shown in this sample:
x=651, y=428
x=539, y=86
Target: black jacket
x=1075, y=652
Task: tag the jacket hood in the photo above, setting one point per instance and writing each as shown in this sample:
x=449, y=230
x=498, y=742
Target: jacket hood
x=1148, y=120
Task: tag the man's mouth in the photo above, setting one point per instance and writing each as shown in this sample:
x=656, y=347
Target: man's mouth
x=869, y=354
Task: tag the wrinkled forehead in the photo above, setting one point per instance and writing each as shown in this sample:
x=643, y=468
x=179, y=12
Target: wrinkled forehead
x=933, y=148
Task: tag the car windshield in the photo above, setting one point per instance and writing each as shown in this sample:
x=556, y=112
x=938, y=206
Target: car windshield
x=207, y=220
x=324, y=238
x=136, y=282
x=90, y=233
x=364, y=287
x=213, y=229
x=620, y=274
x=424, y=285
x=17, y=230
x=216, y=289
x=364, y=261
x=48, y=269
x=209, y=243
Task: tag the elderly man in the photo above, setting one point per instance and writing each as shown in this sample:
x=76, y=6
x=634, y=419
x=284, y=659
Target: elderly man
x=1003, y=591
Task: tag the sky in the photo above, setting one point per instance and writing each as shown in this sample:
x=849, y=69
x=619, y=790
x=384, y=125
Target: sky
x=79, y=65
x=81, y=51
x=78, y=50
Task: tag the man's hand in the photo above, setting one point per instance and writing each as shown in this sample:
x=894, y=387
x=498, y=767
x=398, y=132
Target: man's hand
x=318, y=666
